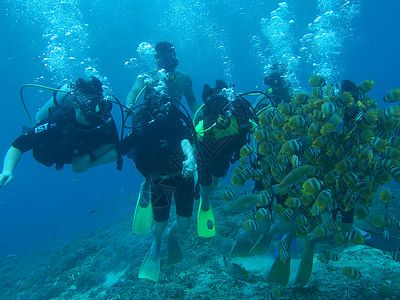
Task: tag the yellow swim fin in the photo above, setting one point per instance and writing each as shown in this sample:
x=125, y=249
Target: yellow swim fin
x=143, y=218
x=150, y=268
x=205, y=222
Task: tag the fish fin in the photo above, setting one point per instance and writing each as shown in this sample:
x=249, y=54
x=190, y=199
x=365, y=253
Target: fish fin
x=142, y=218
x=174, y=254
x=275, y=189
x=150, y=268
x=203, y=219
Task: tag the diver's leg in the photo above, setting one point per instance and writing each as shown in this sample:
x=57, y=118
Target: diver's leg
x=205, y=191
x=158, y=230
x=174, y=254
x=215, y=181
x=184, y=197
x=181, y=224
x=160, y=203
x=206, y=186
x=208, y=190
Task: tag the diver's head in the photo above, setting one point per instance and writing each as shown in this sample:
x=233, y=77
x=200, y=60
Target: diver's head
x=209, y=91
x=274, y=80
x=93, y=86
x=88, y=98
x=166, y=56
x=217, y=107
x=276, y=75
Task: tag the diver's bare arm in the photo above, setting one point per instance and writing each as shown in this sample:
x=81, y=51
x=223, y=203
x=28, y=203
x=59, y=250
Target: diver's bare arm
x=189, y=95
x=11, y=160
x=44, y=111
x=131, y=99
x=106, y=158
x=189, y=165
x=104, y=154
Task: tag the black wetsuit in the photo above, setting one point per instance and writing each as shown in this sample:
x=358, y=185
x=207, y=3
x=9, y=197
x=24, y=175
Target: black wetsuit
x=155, y=147
x=59, y=138
x=215, y=154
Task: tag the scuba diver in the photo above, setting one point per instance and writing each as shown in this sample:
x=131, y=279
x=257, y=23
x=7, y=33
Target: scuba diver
x=278, y=87
x=177, y=83
x=160, y=145
x=75, y=127
x=223, y=130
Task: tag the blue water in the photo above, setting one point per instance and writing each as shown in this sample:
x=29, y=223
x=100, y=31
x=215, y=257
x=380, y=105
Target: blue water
x=47, y=43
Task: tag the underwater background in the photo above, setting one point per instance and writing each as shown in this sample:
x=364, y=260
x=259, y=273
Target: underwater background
x=45, y=214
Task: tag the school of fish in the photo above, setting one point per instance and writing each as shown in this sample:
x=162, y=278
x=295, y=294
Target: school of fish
x=324, y=151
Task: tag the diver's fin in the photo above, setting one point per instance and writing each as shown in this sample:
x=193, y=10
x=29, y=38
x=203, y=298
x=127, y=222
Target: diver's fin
x=261, y=246
x=143, y=214
x=150, y=268
x=306, y=264
x=205, y=222
x=280, y=270
x=307, y=259
x=174, y=254
x=240, y=248
x=378, y=241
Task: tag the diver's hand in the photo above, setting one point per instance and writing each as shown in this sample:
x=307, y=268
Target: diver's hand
x=80, y=164
x=5, y=179
x=189, y=167
x=129, y=109
x=144, y=199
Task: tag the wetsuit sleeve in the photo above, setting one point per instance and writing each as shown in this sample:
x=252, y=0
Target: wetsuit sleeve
x=39, y=134
x=110, y=135
x=127, y=144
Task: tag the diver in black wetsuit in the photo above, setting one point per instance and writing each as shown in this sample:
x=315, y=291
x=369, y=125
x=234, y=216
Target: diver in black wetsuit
x=223, y=130
x=76, y=128
x=160, y=146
